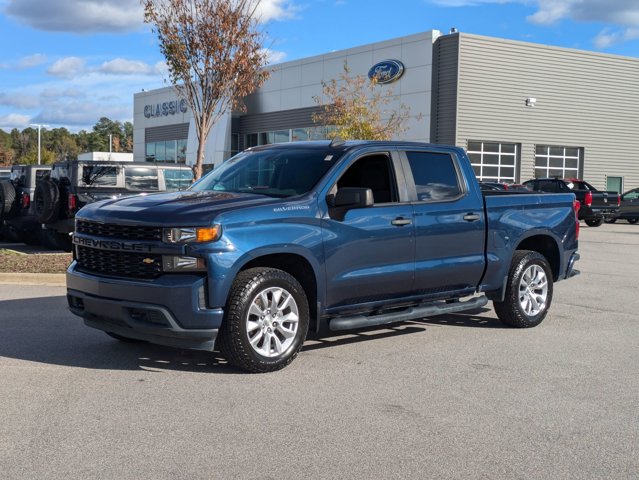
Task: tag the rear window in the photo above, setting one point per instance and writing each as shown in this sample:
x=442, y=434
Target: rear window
x=435, y=176
x=141, y=179
x=99, y=176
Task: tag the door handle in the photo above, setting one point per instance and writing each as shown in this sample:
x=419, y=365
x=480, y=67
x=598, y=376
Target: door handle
x=471, y=217
x=400, y=222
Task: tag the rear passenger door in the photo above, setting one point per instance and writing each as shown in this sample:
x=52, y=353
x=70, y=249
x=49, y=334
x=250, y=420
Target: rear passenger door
x=449, y=224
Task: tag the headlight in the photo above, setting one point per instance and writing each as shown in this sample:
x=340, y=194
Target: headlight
x=192, y=234
x=178, y=263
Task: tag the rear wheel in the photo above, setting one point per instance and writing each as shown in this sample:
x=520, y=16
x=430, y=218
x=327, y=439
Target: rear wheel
x=610, y=220
x=632, y=220
x=7, y=200
x=528, y=292
x=594, y=222
x=47, y=201
x=266, y=320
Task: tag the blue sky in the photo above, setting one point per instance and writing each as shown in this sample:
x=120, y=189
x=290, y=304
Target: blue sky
x=69, y=62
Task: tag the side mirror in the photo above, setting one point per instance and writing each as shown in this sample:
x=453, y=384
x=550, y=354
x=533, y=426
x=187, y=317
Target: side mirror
x=353, y=197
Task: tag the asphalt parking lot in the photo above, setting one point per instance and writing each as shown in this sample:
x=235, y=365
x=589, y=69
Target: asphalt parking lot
x=455, y=396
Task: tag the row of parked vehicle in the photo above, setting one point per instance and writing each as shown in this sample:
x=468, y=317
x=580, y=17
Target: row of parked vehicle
x=38, y=203
x=596, y=207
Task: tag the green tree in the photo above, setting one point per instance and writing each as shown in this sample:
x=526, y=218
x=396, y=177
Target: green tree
x=31, y=157
x=62, y=143
x=215, y=56
x=357, y=107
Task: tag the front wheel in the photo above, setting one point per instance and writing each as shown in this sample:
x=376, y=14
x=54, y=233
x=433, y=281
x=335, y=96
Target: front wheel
x=632, y=220
x=528, y=292
x=594, y=222
x=266, y=320
x=610, y=220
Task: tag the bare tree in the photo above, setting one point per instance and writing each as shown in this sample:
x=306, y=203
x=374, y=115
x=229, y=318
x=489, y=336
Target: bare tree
x=356, y=106
x=215, y=56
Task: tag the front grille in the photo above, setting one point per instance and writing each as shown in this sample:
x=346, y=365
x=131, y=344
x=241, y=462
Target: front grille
x=125, y=232
x=120, y=264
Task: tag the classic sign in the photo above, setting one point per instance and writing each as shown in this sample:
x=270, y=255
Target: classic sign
x=165, y=108
x=386, y=71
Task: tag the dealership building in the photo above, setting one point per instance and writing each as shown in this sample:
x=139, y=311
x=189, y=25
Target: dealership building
x=521, y=110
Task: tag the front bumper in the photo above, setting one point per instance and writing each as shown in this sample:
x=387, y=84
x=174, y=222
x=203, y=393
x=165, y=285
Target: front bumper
x=170, y=310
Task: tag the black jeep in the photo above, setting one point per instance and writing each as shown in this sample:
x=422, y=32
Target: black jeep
x=74, y=184
x=17, y=211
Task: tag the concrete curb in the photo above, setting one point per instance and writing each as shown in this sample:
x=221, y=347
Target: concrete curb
x=45, y=279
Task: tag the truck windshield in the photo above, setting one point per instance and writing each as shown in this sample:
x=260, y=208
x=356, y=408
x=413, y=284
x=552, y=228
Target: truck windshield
x=276, y=172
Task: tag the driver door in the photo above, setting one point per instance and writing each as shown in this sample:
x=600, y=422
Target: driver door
x=370, y=252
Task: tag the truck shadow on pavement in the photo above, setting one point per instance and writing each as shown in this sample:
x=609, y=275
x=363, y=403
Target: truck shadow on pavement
x=42, y=330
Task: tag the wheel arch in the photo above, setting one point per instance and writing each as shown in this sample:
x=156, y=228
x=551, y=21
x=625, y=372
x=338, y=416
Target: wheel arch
x=546, y=246
x=299, y=267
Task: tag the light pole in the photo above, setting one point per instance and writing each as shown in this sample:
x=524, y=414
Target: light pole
x=39, y=125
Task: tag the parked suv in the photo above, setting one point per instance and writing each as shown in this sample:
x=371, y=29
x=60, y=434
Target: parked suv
x=5, y=173
x=17, y=211
x=596, y=206
x=74, y=184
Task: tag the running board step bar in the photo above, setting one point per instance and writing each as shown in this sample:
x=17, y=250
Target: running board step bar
x=414, y=313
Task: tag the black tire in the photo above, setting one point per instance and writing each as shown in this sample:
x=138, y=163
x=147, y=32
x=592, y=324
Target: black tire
x=610, y=220
x=511, y=311
x=124, y=339
x=8, y=204
x=594, y=222
x=632, y=220
x=55, y=240
x=47, y=201
x=233, y=340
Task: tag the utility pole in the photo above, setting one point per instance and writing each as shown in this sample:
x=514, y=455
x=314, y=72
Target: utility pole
x=110, y=145
x=39, y=125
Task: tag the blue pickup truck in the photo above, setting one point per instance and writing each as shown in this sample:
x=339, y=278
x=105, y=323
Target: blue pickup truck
x=285, y=239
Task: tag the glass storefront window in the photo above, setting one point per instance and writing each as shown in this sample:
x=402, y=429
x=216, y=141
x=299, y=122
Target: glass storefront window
x=150, y=152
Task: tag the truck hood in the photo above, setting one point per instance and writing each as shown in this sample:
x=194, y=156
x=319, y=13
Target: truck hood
x=171, y=209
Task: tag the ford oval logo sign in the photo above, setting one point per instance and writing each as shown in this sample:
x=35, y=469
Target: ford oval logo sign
x=387, y=71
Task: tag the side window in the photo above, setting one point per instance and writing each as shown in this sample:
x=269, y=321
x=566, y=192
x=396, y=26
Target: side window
x=435, y=176
x=177, y=179
x=140, y=178
x=374, y=172
x=547, y=186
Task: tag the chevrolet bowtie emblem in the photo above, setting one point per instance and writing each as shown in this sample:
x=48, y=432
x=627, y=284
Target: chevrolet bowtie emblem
x=148, y=261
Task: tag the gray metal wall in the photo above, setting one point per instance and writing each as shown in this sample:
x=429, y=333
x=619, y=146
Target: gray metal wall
x=584, y=99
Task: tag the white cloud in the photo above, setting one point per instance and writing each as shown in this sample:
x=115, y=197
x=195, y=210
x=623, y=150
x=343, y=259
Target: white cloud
x=19, y=100
x=274, y=56
x=53, y=92
x=269, y=10
x=111, y=16
x=82, y=114
x=32, y=61
x=14, y=120
x=614, y=13
x=79, y=16
x=68, y=67
x=122, y=66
